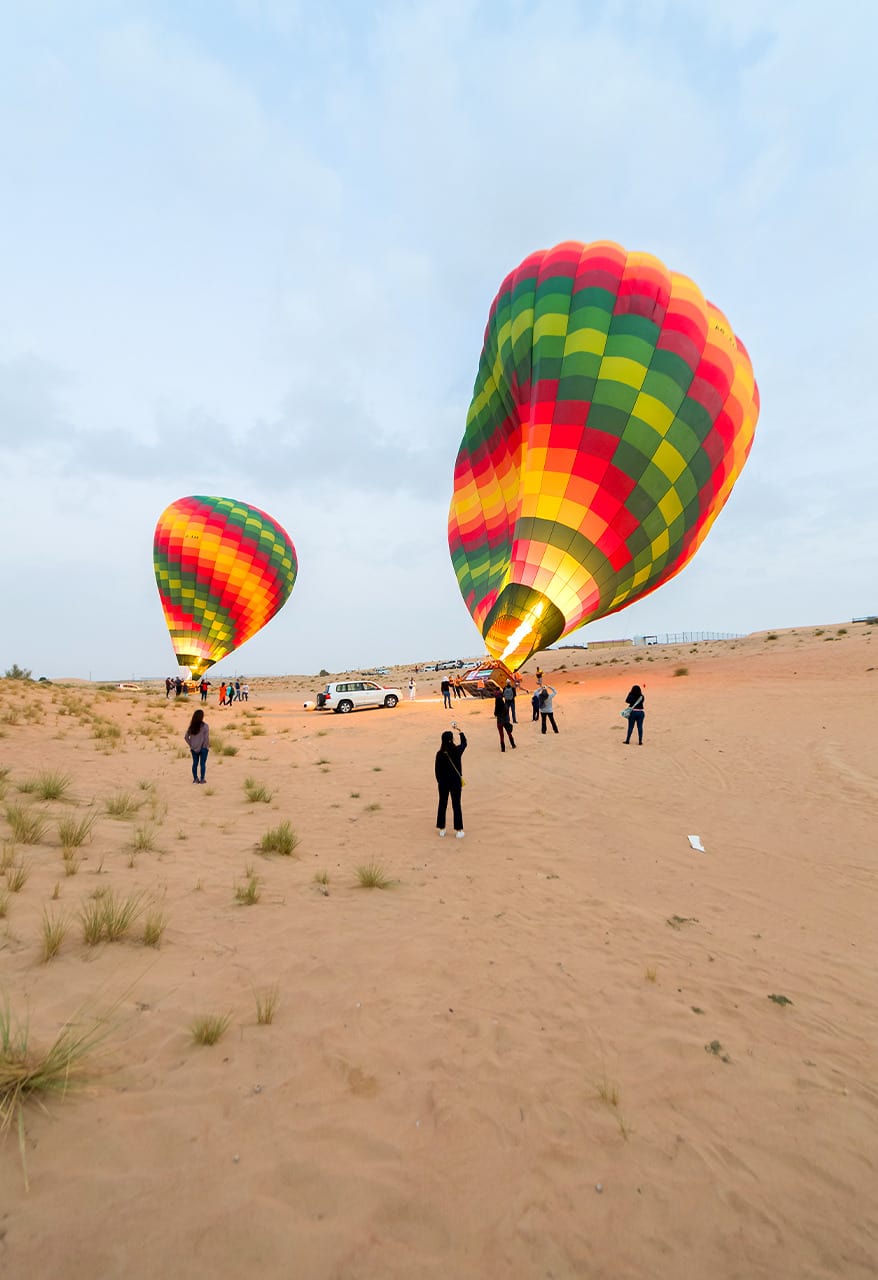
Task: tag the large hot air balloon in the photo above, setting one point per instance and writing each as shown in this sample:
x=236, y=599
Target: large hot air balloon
x=612, y=413
x=223, y=570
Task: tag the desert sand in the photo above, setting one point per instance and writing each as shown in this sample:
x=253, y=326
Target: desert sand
x=556, y=1048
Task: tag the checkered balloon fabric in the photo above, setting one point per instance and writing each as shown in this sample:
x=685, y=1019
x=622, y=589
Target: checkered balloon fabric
x=223, y=570
x=613, y=411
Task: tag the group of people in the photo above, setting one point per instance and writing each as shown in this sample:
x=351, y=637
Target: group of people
x=229, y=693
x=450, y=685
x=449, y=758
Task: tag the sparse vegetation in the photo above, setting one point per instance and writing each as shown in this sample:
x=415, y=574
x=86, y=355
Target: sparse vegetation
x=266, y=1003
x=651, y=973
x=27, y=827
x=15, y=672
x=17, y=876
x=321, y=877
x=372, y=876
x=373, y=808
x=144, y=839
x=154, y=927
x=247, y=894
x=122, y=805
x=108, y=918
x=73, y=832
x=26, y=1072
x=281, y=839
x=54, y=931
x=257, y=792
x=208, y=1027
x=781, y=1000
x=681, y=671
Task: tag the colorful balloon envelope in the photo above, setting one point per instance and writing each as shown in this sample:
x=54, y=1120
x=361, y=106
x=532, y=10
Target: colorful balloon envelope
x=614, y=409
x=223, y=570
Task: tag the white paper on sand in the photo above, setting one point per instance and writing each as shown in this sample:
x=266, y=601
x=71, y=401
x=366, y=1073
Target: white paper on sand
x=695, y=842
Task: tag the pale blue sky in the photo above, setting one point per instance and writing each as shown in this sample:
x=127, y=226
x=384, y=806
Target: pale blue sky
x=249, y=247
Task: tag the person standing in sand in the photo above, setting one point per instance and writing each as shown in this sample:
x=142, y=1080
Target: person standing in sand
x=198, y=740
x=445, y=686
x=449, y=778
x=501, y=715
x=412, y=689
x=635, y=701
x=547, y=704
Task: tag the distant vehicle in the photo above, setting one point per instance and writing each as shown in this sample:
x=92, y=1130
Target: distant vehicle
x=454, y=664
x=350, y=695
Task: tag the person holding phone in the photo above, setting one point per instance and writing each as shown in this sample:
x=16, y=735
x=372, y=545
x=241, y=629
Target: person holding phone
x=449, y=779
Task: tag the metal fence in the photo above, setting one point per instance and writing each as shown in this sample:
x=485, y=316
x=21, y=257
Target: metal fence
x=686, y=637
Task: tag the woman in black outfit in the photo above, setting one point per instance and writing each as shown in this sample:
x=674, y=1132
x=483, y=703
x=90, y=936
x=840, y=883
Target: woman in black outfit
x=501, y=715
x=449, y=776
x=635, y=701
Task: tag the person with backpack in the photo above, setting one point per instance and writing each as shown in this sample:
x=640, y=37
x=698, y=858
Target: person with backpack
x=547, y=703
x=509, y=696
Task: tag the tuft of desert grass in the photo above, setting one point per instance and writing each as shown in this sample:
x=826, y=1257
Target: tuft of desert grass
x=153, y=927
x=144, y=839
x=4, y=903
x=26, y=826
x=321, y=877
x=266, y=1003
x=208, y=1027
x=54, y=931
x=26, y=1072
x=73, y=832
x=17, y=876
x=50, y=785
x=122, y=805
x=373, y=876
x=281, y=839
x=71, y=862
x=373, y=808
x=607, y=1091
x=651, y=973
x=56, y=892
x=257, y=792
x=248, y=894
x=681, y=671
x=105, y=917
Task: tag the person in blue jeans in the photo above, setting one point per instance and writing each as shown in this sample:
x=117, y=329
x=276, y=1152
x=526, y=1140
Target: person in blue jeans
x=198, y=740
x=635, y=701
x=445, y=686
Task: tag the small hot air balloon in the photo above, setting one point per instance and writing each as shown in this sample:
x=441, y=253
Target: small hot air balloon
x=223, y=570
x=614, y=409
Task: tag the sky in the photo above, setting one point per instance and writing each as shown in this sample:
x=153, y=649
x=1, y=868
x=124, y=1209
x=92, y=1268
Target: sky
x=248, y=248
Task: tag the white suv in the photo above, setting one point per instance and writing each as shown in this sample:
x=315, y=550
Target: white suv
x=347, y=695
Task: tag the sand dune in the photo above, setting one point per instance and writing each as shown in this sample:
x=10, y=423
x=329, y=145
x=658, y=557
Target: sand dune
x=569, y=999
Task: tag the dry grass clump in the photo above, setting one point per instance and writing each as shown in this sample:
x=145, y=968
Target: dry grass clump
x=144, y=839
x=26, y=1072
x=73, y=832
x=257, y=792
x=47, y=785
x=281, y=839
x=153, y=927
x=681, y=671
x=373, y=876
x=208, y=1027
x=248, y=894
x=17, y=874
x=26, y=826
x=266, y=1003
x=4, y=903
x=106, y=918
x=122, y=805
x=54, y=932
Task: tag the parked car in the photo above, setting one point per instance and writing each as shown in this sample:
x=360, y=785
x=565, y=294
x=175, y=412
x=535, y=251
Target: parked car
x=350, y=695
